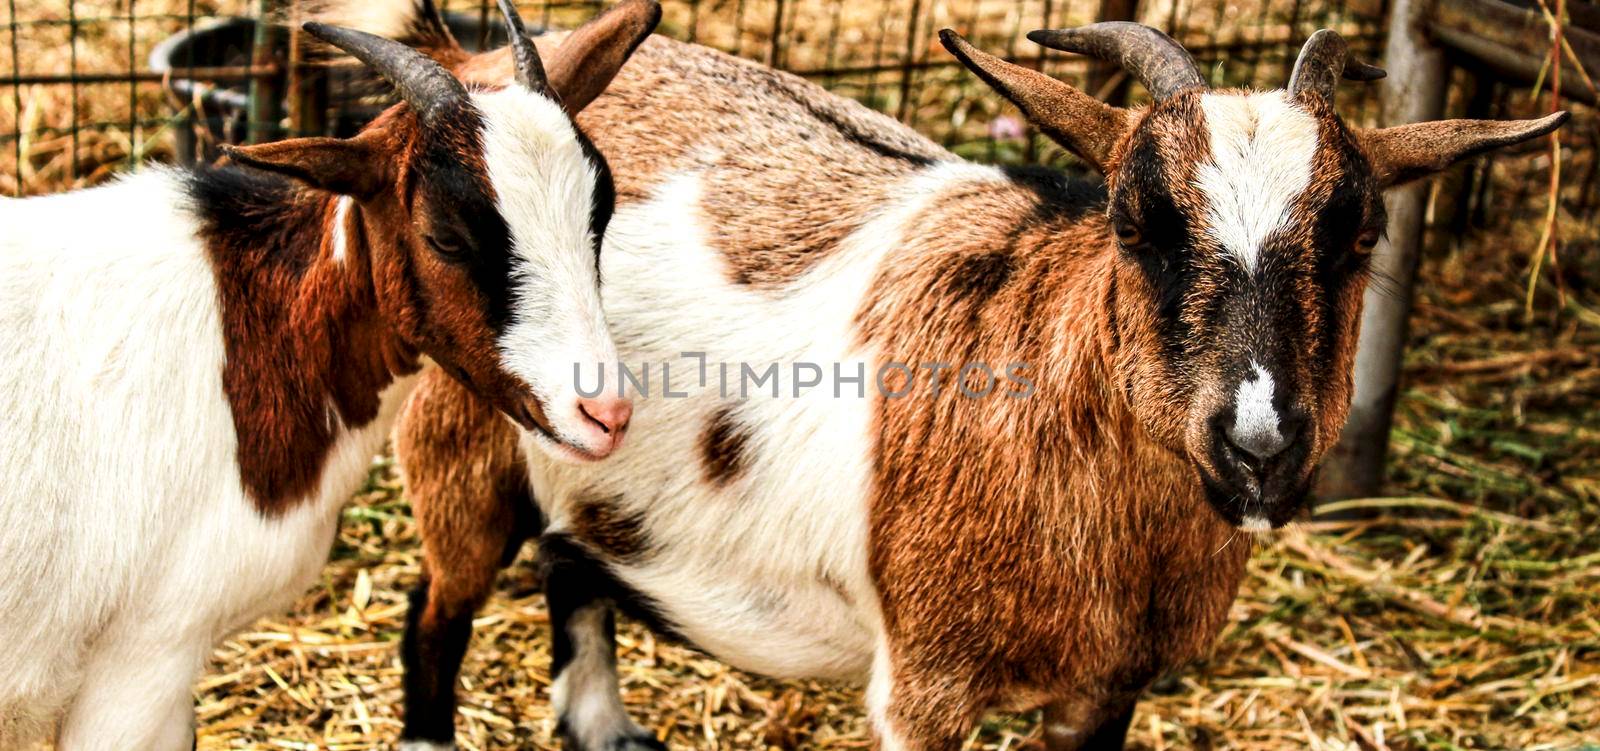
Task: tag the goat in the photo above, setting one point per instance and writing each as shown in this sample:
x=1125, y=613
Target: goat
x=201, y=366
x=1178, y=339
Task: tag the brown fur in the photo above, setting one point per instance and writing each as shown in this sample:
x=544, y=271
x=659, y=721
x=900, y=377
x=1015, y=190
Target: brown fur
x=468, y=483
x=303, y=330
x=302, y=334
x=595, y=521
x=979, y=548
x=722, y=448
x=1405, y=153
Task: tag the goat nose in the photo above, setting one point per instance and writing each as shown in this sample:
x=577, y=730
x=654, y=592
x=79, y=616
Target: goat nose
x=1262, y=442
x=610, y=415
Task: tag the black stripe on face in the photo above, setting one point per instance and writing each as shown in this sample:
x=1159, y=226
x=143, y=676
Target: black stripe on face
x=1355, y=205
x=604, y=201
x=1165, y=254
x=460, y=220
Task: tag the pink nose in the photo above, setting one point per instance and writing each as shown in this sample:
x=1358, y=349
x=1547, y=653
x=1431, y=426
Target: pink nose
x=609, y=415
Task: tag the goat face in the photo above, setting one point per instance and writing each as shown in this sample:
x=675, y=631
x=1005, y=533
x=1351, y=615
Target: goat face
x=1241, y=226
x=483, y=213
x=500, y=218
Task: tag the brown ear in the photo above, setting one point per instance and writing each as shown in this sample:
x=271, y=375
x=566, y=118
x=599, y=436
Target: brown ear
x=1082, y=124
x=349, y=166
x=1410, y=152
x=590, y=57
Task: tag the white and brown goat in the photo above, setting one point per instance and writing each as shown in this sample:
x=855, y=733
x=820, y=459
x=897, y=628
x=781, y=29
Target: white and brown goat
x=1177, y=339
x=201, y=366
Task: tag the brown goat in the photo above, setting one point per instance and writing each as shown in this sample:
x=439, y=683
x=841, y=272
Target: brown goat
x=1054, y=401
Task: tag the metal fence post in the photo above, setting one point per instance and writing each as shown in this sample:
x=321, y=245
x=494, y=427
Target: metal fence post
x=1413, y=92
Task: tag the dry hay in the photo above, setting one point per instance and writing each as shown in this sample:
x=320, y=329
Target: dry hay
x=1460, y=628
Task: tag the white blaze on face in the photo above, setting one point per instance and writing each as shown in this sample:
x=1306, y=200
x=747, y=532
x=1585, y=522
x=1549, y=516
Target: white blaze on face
x=1255, y=419
x=1262, y=147
x=545, y=185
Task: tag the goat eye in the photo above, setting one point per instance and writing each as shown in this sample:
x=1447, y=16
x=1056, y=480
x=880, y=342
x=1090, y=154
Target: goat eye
x=1367, y=240
x=1127, y=233
x=449, y=248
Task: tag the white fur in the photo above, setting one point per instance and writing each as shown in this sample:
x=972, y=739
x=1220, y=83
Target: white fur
x=544, y=184
x=880, y=692
x=1255, y=419
x=1256, y=525
x=129, y=545
x=746, y=570
x=1262, y=147
x=426, y=746
x=341, y=218
x=586, y=693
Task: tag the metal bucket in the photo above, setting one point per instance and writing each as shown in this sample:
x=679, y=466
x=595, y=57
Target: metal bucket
x=219, y=113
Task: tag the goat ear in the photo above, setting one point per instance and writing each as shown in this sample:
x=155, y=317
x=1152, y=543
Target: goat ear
x=1410, y=152
x=1080, y=123
x=351, y=167
x=583, y=66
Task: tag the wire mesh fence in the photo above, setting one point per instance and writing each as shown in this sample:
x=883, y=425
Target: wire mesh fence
x=92, y=87
x=95, y=86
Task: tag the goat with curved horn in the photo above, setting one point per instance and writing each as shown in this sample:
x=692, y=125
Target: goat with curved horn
x=1324, y=59
x=529, y=69
x=424, y=84
x=1155, y=59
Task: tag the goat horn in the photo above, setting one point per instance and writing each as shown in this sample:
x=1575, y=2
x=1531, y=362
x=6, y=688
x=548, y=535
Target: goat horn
x=530, y=70
x=1159, y=62
x=423, y=83
x=1323, y=60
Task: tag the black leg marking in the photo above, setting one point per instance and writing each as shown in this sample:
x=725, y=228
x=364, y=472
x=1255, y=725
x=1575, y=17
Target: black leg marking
x=1112, y=734
x=581, y=591
x=432, y=661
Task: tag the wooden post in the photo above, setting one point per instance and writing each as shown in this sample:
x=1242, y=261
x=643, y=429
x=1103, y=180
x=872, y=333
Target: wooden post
x=1413, y=92
x=266, y=93
x=905, y=112
x=307, y=85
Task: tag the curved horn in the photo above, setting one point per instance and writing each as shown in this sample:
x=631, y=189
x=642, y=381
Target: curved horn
x=424, y=84
x=530, y=70
x=1159, y=62
x=1323, y=60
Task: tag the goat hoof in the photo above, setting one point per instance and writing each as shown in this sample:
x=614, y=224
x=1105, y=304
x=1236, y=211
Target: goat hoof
x=629, y=739
x=643, y=742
